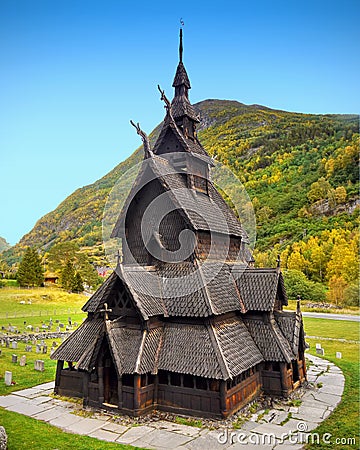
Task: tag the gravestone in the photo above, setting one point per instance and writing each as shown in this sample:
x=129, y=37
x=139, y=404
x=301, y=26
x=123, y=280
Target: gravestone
x=39, y=365
x=7, y=343
x=23, y=361
x=8, y=378
x=52, y=351
x=2, y=342
x=14, y=345
x=3, y=438
x=34, y=342
x=37, y=329
x=338, y=355
x=61, y=325
x=75, y=324
x=28, y=348
x=58, y=329
x=320, y=351
x=38, y=348
x=14, y=359
x=57, y=321
x=44, y=349
x=54, y=344
x=318, y=346
x=0, y=351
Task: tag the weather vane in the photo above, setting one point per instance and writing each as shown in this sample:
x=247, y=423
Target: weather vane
x=181, y=22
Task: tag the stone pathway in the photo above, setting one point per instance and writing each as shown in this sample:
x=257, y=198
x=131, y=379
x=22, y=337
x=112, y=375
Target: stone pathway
x=283, y=428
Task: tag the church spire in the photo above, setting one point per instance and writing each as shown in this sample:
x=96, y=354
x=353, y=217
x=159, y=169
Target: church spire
x=181, y=108
x=180, y=47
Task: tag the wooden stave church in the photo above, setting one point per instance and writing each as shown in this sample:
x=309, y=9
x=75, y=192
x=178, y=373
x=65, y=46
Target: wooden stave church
x=213, y=349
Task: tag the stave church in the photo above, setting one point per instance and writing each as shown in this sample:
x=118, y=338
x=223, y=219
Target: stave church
x=185, y=323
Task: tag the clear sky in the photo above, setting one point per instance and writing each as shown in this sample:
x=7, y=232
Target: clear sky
x=73, y=72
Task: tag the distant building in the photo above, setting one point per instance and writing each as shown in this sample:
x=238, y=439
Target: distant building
x=190, y=328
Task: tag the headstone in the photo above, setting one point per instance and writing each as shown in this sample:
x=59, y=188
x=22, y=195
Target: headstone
x=58, y=329
x=61, y=325
x=8, y=378
x=14, y=359
x=338, y=355
x=14, y=344
x=23, y=361
x=2, y=342
x=3, y=438
x=0, y=351
x=44, y=349
x=57, y=320
x=75, y=324
x=38, y=348
x=7, y=343
x=39, y=365
x=37, y=329
x=34, y=342
x=318, y=346
x=28, y=348
x=52, y=351
x=54, y=344
x=69, y=321
x=320, y=351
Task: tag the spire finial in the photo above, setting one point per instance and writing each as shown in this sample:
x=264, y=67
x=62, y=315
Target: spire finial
x=181, y=42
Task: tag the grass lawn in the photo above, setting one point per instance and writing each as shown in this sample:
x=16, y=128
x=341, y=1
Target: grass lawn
x=344, y=421
x=46, y=303
x=336, y=329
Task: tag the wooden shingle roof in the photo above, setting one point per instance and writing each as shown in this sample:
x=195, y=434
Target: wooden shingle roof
x=259, y=288
x=270, y=340
x=81, y=341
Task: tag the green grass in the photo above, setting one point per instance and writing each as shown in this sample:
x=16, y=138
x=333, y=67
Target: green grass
x=31, y=434
x=46, y=303
x=336, y=329
x=42, y=299
x=26, y=376
x=344, y=421
x=189, y=421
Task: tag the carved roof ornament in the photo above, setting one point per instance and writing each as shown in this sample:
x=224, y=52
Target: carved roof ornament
x=144, y=137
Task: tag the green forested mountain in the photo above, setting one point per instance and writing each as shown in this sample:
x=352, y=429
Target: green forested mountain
x=300, y=171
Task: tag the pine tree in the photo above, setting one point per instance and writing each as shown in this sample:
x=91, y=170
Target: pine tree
x=30, y=271
x=67, y=276
x=77, y=283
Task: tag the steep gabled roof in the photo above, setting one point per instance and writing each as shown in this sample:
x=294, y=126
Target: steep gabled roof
x=269, y=339
x=81, y=342
x=259, y=288
x=290, y=323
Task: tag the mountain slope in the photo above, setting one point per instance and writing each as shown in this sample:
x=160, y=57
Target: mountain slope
x=277, y=155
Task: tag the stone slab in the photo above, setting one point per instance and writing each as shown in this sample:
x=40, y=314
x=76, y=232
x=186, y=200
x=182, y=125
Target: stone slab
x=271, y=429
x=29, y=393
x=114, y=427
x=40, y=400
x=186, y=430
x=135, y=433
x=11, y=399
x=104, y=435
x=64, y=420
x=27, y=409
x=50, y=414
x=85, y=426
x=162, y=439
x=208, y=441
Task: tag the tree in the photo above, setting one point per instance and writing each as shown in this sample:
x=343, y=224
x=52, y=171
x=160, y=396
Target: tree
x=77, y=283
x=67, y=276
x=296, y=284
x=30, y=271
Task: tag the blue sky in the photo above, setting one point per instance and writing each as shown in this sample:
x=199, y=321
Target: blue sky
x=73, y=73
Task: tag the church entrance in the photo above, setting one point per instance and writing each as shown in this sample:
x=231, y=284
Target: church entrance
x=110, y=381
